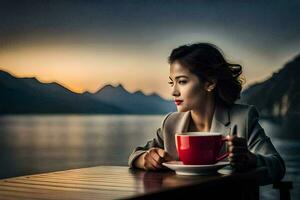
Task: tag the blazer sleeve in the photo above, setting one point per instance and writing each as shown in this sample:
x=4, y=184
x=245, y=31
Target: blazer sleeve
x=155, y=142
x=262, y=147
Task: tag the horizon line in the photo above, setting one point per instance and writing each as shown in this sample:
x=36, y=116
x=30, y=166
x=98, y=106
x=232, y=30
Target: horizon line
x=86, y=90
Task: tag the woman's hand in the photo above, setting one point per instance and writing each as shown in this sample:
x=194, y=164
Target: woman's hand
x=239, y=156
x=153, y=159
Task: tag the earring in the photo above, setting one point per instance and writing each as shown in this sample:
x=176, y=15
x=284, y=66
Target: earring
x=209, y=89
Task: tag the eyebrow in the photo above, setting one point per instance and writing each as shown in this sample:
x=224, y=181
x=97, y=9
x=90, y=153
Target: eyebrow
x=177, y=77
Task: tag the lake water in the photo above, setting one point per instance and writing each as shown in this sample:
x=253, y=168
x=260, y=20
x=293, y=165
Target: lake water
x=42, y=143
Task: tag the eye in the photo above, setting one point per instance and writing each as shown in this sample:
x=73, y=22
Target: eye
x=170, y=83
x=182, y=82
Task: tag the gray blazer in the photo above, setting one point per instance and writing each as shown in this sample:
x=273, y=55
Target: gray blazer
x=245, y=117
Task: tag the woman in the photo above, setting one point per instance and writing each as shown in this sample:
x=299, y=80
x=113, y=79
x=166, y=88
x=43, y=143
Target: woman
x=205, y=87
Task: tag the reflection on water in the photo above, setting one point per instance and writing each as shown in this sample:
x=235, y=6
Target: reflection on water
x=32, y=144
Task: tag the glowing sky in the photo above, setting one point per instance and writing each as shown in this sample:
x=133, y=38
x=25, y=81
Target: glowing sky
x=84, y=45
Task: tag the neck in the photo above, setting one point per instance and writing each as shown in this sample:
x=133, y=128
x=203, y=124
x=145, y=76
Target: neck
x=202, y=117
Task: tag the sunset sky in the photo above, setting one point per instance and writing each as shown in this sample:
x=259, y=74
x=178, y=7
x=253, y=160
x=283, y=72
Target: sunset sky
x=84, y=45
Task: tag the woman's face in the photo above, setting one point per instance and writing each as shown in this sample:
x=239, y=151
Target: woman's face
x=188, y=91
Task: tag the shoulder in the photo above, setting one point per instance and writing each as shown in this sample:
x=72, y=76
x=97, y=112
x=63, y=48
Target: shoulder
x=243, y=110
x=244, y=115
x=172, y=117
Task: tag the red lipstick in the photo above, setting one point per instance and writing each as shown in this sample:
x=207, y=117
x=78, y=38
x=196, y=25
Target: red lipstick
x=178, y=102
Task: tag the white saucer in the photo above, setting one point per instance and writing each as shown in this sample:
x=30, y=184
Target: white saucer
x=182, y=169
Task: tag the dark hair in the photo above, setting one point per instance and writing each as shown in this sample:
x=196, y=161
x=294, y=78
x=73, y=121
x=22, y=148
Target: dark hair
x=207, y=62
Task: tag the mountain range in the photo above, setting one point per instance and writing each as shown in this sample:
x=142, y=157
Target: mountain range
x=136, y=102
x=29, y=95
x=276, y=97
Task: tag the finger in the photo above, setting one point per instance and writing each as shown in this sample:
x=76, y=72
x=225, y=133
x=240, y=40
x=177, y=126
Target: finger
x=238, y=141
x=238, y=159
x=154, y=162
x=149, y=166
x=234, y=138
x=150, y=159
x=161, y=152
x=164, y=155
x=167, y=156
x=233, y=159
x=229, y=137
x=156, y=157
x=237, y=149
x=237, y=155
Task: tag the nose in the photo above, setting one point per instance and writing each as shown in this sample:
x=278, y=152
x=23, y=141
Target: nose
x=175, y=91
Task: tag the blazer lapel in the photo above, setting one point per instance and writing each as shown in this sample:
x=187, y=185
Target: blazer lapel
x=180, y=127
x=221, y=123
x=221, y=120
x=183, y=124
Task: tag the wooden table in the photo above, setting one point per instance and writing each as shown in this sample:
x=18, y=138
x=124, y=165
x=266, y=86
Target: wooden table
x=118, y=182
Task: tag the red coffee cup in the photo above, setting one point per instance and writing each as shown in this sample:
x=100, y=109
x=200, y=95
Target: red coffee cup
x=200, y=148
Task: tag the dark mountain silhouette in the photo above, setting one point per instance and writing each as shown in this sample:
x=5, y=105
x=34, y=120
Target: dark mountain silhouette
x=28, y=95
x=279, y=97
x=136, y=102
